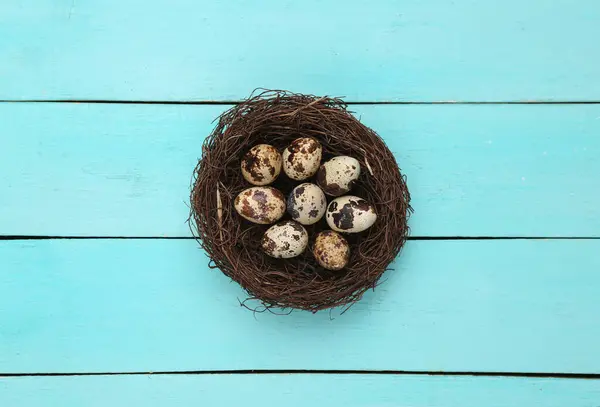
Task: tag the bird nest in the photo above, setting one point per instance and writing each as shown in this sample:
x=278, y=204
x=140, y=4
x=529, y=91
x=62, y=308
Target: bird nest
x=234, y=244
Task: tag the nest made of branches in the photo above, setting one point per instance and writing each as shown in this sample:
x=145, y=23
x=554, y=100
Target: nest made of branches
x=233, y=244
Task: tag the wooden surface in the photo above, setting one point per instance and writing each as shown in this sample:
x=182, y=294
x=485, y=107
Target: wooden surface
x=298, y=391
x=383, y=50
x=473, y=170
x=132, y=292
x=152, y=305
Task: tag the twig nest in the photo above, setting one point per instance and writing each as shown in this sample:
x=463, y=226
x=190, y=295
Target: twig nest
x=232, y=219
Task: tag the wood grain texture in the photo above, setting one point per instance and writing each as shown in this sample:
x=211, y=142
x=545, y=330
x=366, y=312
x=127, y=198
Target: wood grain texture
x=297, y=390
x=152, y=305
x=386, y=50
x=125, y=170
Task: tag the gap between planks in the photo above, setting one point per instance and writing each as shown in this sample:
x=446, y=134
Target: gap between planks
x=586, y=376
x=354, y=103
x=34, y=237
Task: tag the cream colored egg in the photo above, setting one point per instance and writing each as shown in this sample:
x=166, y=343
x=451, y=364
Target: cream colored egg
x=331, y=250
x=285, y=240
x=307, y=204
x=337, y=176
x=301, y=159
x=350, y=214
x=261, y=165
x=262, y=205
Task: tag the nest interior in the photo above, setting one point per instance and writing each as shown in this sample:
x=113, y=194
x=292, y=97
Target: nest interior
x=233, y=244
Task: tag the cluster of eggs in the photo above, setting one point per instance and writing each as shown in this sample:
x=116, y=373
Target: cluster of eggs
x=307, y=203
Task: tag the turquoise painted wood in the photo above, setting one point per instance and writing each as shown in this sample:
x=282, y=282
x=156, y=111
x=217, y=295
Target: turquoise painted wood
x=386, y=50
x=297, y=390
x=125, y=170
x=152, y=305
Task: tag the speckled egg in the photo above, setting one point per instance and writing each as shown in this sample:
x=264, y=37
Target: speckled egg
x=301, y=159
x=350, y=214
x=262, y=205
x=284, y=240
x=307, y=203
x=261, y=165
x=331, y=250
x=337, y=176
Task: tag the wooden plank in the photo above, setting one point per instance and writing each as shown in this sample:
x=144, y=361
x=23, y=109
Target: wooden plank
x=124, y=170
x=385, y=50
x=153, y=305
x=297, y=390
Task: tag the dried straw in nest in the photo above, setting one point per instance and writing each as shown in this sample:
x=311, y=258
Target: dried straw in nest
x=233, y=244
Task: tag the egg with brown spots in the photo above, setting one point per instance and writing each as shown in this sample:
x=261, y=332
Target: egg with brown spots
x=331, y=250
x=307, y=204
x=261, y=165
x=337, y=176
x=301, y=159
x=262, y=205
x=350, y=214
x=285, y=240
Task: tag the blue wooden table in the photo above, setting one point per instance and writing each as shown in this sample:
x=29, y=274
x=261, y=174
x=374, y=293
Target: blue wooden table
x=492, y=110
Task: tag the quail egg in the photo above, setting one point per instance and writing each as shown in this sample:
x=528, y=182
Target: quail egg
x=331, y=250
x=337, y=176
x=301, y=158
x=261, y=165
x=350, y=214
x=285, y=240
x=307, y=204
x=262, y=205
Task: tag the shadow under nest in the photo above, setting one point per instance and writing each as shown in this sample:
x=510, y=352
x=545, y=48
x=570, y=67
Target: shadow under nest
x=233, y=244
